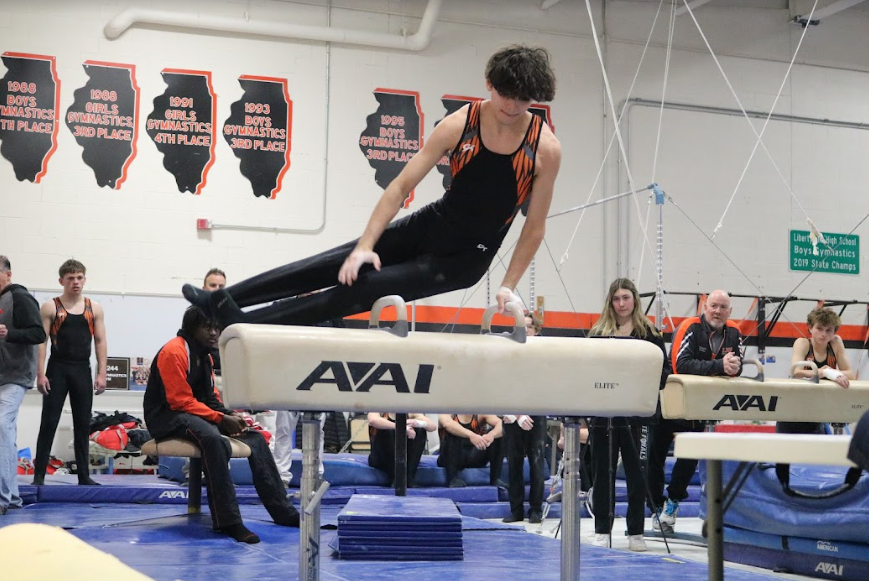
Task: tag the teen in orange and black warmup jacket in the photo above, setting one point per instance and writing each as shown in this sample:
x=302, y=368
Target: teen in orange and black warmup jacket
x=181, y=401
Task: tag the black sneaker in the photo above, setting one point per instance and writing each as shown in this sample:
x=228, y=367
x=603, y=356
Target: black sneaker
x=225, y=310
x=535, y=517
x=513, y=518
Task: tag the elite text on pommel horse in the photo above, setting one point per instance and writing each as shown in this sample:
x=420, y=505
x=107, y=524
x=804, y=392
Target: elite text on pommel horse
x=317, y=368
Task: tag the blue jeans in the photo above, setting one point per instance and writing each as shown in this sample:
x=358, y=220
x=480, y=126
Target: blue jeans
x=11, y=396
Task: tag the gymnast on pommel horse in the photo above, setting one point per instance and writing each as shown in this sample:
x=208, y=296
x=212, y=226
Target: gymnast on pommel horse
x=502, y=157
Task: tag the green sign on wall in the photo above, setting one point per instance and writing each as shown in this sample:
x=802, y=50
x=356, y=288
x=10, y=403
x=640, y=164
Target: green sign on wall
x=840, y=254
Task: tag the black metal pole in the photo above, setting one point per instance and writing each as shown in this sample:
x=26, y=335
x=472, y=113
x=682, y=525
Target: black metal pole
x=400, y=454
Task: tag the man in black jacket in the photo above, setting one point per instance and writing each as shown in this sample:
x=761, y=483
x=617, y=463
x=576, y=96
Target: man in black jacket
x=21, y=333
x=706, y=345
x=182, y=402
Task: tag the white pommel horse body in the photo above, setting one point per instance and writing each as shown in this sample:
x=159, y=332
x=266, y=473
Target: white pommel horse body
x=317, y=368
x=693, y=397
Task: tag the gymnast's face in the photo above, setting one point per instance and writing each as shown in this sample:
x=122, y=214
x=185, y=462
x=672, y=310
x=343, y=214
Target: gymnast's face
x=207, y=335
x=530, y=331
x=822, y=334
x=507, y=111
x=623, y=303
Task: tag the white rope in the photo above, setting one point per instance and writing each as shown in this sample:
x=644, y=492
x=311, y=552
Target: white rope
x=600, y=169
x=760, y=141
x=612, y=107
x=664, y=89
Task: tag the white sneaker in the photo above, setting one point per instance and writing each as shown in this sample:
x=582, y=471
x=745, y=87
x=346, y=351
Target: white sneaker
x=601, y=541
x=636, y=543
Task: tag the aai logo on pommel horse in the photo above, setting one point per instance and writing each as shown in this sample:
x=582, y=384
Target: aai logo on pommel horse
x=358, y=376
x=746, y=402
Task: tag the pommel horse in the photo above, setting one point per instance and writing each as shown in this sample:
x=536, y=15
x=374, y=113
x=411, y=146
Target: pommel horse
x=317, y=368
x=693, y=397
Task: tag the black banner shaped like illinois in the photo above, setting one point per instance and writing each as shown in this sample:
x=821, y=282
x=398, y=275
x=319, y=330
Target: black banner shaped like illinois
x=258, y=131
x=29, y=96
x=392, y=135
x=182, y=127
x=103, y=118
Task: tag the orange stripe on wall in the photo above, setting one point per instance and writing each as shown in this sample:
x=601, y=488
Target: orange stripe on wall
x=567, y=320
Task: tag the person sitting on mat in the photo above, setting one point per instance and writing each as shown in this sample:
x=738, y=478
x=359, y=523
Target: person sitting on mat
x=622, y=316
x=525, y=436
x=502, y=158
x=381, y=431
x=827, y=350
x=470, y=441
x=182, y=402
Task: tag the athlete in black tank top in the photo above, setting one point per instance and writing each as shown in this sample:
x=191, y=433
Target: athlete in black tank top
x=501, y=156
x=69, y=371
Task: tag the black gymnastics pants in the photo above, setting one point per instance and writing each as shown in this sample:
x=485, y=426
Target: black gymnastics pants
x=74, y=379
x=421, y=256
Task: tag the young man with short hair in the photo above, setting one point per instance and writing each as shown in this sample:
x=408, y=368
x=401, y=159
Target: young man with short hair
x=502, y=158
x=72, y=322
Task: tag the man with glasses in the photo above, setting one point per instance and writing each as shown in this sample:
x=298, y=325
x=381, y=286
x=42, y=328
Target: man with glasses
x=706, y=345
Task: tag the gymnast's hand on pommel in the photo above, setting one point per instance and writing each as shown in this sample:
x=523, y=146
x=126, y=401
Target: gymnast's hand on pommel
x=506, y=295
x=231, y=425
x=350, y=269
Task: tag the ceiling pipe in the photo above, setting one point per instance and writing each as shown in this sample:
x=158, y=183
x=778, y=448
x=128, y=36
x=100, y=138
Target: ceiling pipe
x=415, y=42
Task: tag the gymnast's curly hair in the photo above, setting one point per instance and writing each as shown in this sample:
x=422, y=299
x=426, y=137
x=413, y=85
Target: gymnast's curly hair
x=522, y=72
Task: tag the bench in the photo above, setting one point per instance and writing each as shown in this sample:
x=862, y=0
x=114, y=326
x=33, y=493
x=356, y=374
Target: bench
x=186, y=449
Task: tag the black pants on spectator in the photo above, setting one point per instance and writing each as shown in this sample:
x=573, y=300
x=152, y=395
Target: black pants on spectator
x=459, y=453
x=660, y=438
x=76, y=380
x=382, y=454
x=625, y=438
x=216, y=453
x=799, y=428
x=519, y=444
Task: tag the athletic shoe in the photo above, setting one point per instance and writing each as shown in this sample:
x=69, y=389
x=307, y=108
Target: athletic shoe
x=224, y=309
x=513, y=518
x=658, y=525
x=601, y=541
x=535, y=517
x=671, y=511
x=636, y=543
x=197, y=297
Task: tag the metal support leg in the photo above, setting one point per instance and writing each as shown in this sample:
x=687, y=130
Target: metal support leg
x=309, y=528
x=194, y=486
x=570, y=502
x=714, y=520
x=400, y=454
